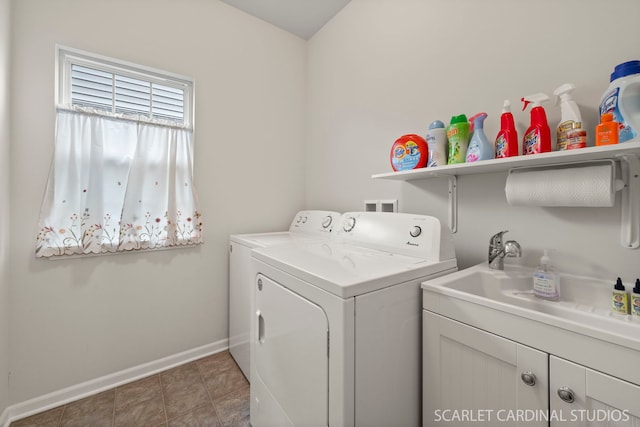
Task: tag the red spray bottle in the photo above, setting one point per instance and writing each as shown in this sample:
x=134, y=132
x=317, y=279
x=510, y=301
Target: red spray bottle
x=507, y=139
x=537, y=139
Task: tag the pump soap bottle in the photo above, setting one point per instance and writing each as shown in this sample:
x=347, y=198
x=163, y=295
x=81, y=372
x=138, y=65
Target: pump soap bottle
x=537, y=138
x=620, y=298
x=635, y=299
x=546, y=283
x=479, y=147
x=507, y=139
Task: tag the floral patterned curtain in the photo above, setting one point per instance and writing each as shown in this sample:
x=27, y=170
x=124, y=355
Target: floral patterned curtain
x=118, y=184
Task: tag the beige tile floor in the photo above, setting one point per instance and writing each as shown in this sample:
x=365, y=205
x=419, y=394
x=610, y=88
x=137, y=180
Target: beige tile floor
x=211, y=391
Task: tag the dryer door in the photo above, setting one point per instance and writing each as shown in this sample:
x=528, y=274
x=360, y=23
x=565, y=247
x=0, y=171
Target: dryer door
x=290, y=359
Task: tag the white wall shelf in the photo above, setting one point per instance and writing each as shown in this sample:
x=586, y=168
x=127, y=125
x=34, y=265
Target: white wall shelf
x=627, y=153
x=502, y=165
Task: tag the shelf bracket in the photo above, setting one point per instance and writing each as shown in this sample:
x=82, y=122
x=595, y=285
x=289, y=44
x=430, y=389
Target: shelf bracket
x=630, y=209
x=453, y=203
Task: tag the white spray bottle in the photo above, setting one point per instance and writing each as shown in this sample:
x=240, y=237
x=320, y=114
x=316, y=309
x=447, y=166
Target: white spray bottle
x=570, y=114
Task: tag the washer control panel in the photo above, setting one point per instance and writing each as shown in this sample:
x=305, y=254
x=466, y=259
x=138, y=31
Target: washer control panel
x=407, y=234
x=314, y=222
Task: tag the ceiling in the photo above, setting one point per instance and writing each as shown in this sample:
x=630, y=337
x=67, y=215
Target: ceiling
x=300, y=17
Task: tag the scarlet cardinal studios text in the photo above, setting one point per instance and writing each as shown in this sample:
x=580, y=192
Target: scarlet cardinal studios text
x=529, y=415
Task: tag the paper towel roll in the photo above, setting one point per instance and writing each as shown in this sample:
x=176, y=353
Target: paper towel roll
x=577, y=186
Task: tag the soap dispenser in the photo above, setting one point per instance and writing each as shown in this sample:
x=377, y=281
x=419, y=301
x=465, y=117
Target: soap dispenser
x=635, y=299
x=620, y=301
x=546, y=283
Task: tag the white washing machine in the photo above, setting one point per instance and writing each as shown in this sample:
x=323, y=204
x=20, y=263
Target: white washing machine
x=312, y=224
x=336, y=334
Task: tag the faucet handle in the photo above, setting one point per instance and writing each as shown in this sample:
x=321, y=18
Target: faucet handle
x=496, y=239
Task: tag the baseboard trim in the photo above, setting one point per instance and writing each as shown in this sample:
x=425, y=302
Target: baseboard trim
x=88, y=388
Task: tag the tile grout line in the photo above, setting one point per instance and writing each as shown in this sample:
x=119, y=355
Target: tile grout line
x=113, y=413
x=215, y=410
x=64, y=408
x=164, y=405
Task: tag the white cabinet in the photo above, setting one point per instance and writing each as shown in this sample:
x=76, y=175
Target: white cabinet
x=582, y=397
x=471, y=376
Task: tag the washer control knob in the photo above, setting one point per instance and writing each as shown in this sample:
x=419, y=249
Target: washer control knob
x=326, y=222
x=415, y=231
x=304, y=219
x=299, y=219
x=349, y=223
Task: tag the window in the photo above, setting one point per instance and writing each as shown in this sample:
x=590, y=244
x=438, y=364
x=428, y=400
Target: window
x=122, y=174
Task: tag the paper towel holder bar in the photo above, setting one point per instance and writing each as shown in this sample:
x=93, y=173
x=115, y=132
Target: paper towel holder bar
x=617, y=183
x=630, y=203
x=628, y=183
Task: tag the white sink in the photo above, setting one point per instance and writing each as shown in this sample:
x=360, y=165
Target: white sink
x=584, y=306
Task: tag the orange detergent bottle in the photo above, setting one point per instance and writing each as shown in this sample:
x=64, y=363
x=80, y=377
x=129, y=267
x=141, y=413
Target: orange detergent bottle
x=607, y=130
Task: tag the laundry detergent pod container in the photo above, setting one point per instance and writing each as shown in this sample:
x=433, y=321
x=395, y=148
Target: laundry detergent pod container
x=622, y=99
x=409, y=152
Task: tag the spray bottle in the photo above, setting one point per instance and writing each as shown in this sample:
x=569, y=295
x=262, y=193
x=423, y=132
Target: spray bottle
x=479, y=147
x=507, y=139
x=570, y=114
x=537, y=138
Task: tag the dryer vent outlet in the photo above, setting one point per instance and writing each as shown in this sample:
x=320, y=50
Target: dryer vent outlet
x=381, y=205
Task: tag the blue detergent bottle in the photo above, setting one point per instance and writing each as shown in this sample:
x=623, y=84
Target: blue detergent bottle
x=479, y=147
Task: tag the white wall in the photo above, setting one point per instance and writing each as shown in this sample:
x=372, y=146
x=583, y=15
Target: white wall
x=78, y=319
x=4, y=207
x=383, y=68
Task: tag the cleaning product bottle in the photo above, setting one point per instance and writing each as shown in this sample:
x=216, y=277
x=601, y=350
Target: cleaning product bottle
x=458, y=136
x=507, y=138
x=409, y=152
x=620, y=298
x=537, y=138
x=607, y=130
x=576, y=137
x=622, y=98
x=546, y=283
x=635, y=299
x=437, y=143
x=479, y=147
x=570, y=114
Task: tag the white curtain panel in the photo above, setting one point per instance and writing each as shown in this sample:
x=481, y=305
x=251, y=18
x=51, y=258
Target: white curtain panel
x=118, y=184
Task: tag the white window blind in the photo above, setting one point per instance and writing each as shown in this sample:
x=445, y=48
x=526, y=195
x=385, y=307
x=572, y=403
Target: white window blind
x=122, y=94
x=87, y=80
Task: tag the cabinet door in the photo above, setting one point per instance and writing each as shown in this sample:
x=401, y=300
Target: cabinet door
x=580, y=397
x=471, y=377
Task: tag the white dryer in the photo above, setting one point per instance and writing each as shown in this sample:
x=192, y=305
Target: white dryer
x=336, y=337
x=311, y=224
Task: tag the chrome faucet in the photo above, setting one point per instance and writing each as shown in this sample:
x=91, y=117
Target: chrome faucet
x=497, y=250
